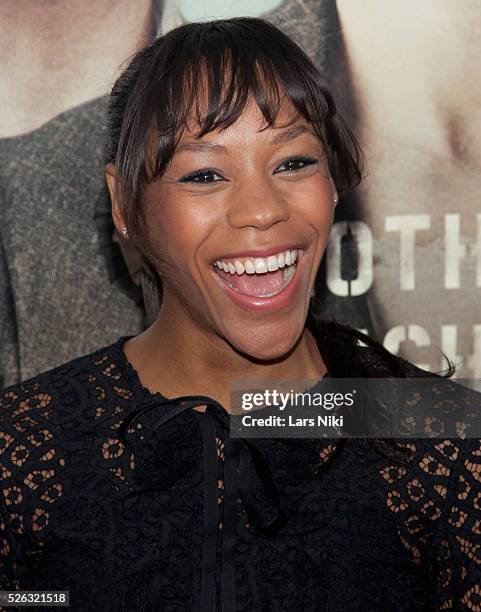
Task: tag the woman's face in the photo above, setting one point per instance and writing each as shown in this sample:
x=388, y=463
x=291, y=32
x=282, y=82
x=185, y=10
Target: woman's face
x=239, y=222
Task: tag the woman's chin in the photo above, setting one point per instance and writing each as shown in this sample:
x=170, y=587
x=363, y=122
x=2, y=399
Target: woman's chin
x=261, y=345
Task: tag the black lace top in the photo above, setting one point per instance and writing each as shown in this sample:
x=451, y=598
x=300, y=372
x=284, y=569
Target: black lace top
x=187, y=519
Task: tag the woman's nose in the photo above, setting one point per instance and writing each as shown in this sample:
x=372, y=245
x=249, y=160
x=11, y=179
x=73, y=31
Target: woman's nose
x=258, y=206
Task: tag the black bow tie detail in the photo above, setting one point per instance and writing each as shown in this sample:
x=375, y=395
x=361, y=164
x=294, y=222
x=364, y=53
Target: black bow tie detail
x=247, y=475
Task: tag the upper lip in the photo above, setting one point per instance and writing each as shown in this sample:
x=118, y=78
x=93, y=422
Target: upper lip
x=259, y=252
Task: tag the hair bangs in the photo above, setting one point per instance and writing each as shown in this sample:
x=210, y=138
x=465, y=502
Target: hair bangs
x=213, y=94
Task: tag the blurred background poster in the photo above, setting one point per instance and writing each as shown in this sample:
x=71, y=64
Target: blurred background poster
x=404, y=259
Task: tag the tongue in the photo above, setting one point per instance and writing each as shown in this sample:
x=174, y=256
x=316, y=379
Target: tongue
x=258, y=285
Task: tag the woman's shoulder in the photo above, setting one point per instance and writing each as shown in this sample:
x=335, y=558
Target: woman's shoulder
x=68, y=391
x=434, y=496
x=57, y=437
x=435, y=502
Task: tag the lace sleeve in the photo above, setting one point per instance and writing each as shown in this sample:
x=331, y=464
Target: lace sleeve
x=7, y=552
x=31, y=461
x=12, y=455
x=456, y=551
x=10, y=568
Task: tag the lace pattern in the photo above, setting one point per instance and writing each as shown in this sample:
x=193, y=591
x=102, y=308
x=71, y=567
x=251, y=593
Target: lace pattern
x=122, y=528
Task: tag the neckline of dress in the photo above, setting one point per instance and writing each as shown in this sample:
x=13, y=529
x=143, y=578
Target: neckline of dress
x=128, y=368
x=133, y=376
x=328, y=448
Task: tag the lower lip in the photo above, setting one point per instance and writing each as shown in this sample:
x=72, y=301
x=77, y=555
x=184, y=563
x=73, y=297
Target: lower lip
x=270, y=304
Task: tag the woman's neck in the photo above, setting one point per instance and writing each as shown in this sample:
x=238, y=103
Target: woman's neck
x=176, y=357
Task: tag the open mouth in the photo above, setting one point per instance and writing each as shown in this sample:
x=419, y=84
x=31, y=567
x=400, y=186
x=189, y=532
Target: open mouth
x=261, y=277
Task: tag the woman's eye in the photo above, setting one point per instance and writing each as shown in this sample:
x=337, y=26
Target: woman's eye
x=208, y=175
x=296, y=163
x=201, y=176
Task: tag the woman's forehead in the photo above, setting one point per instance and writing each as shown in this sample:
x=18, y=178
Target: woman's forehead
x=287, y=116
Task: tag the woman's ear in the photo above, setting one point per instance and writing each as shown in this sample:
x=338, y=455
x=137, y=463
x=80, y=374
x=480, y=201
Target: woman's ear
x=117, y=215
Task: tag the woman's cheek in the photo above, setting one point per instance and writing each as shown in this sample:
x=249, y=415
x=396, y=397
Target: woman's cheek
x=179, y=231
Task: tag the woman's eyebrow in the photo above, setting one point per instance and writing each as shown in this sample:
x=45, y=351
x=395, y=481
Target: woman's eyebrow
x=281, y=137
x=288, y=135
x=200, y=146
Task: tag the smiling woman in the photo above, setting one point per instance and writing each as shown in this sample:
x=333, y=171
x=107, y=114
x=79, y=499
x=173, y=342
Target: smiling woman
x=122, y=480
x=206, y=86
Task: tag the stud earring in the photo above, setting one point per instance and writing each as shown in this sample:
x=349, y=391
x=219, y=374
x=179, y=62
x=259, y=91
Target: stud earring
x=124, y=231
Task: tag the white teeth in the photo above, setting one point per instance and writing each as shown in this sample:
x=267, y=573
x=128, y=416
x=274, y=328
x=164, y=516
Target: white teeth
x=259, y=265
x=239, y=268
x=250, y=267
x=272, y=264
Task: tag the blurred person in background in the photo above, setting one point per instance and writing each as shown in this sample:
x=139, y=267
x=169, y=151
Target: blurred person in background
x=58, y=248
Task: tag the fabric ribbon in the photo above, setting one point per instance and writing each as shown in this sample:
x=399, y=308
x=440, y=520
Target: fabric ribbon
x=247, y=475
